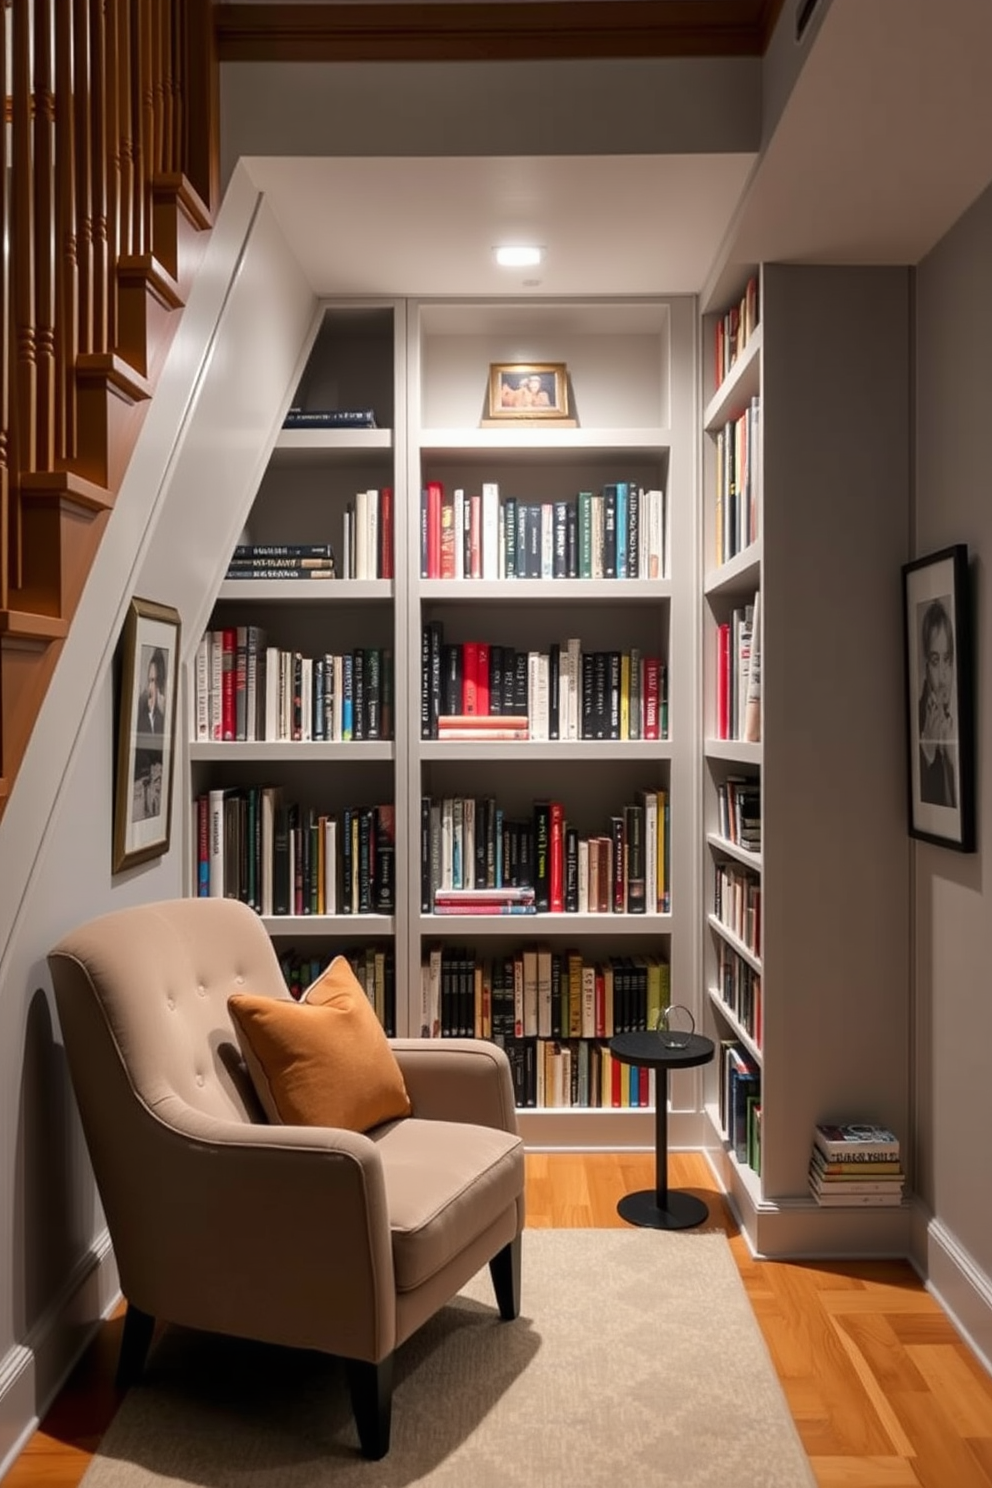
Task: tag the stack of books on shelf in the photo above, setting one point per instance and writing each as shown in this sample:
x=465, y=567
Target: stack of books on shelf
x=855, y=1164
x=734, y=329
x=464, y=727
x=738, y=674
x=282, y=561
x=619, y=532
x=485, y=901
x=739, y=808
x=330, y=418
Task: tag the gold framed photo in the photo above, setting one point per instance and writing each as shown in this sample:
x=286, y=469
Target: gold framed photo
x=528, y=390
x=146, y=733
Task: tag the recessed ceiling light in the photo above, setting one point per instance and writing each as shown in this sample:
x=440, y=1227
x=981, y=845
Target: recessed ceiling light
x=519, y=256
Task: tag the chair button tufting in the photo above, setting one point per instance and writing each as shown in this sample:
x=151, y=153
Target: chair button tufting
x=240, y=980
x=200, y=1080
x=171, y=1003
x=201, y=989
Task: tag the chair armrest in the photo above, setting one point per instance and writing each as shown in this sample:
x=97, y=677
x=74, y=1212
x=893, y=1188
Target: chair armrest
x=458, y=1080
x=275, y=1232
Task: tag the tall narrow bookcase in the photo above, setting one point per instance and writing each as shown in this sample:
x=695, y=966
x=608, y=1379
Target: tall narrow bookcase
x=826, y=933
x=356, y=361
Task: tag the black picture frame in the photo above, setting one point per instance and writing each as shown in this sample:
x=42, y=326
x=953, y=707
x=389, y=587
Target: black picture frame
x=940, y=706
x=146, y=734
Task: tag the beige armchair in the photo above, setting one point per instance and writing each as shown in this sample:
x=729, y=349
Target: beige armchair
x=313, y=1237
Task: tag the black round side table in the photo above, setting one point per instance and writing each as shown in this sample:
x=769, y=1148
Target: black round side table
x=659, y=1208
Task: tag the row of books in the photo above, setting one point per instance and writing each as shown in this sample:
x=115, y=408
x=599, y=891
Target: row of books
x=538, y=991
x=620, y=532
x=739, y=1102
x=564, y=692
x=282, y=561
x=286, y=859
x=733, y=330
x=374, y=965
x=469, y=843
x=367, y=542
x=246, y=690
x=737, y=903
x=739, y=811
x=738, y=674
x=738, y=464
x=580, y=1074
x=738, y=986
x=855, y=1164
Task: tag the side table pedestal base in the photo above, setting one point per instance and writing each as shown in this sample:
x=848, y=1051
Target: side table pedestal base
x=681, y=1212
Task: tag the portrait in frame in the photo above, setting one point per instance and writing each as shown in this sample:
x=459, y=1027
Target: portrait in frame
x=939, y=699
x=146, y=733
x=528, y=390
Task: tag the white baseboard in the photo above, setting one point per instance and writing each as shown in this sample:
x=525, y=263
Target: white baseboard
x=955, y=1281
x=33, y=1372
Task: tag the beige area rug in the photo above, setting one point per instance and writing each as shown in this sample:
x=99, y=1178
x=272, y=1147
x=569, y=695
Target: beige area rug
x=636, y=1360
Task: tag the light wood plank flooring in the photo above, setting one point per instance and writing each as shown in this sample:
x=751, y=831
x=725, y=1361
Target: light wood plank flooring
x=884, y=1392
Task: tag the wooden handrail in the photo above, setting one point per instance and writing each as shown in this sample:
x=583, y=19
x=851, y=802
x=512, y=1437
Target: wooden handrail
x=110, y=103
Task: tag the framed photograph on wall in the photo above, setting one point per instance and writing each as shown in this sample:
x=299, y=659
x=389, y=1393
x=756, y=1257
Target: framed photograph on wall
x=528, y=390
x=146, y=733
x=939, y=699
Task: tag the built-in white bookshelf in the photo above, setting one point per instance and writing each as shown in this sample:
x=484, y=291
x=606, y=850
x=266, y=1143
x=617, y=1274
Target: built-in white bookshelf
x=424, y=367
x=828, y=364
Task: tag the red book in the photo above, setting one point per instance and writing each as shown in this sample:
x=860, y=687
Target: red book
x=228, y=681
x=652, y=696
x=722, y=680
x=386, y=533
x=435, y=497
x=470, y=679
x=557, y=895
x=482, y=679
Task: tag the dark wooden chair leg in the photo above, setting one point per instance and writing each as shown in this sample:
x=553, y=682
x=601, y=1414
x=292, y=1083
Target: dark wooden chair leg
x=504, y=1268
x=137, y=1335
x=371, y=1387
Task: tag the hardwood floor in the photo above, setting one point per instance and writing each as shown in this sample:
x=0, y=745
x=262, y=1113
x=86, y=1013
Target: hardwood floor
x=883, y=1391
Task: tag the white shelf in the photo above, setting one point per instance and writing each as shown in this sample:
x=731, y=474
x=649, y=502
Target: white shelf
x=739, y=386
x=739, y=575
x=550, y=749
x=735, y=944
x=552, y=591
x=329, y=444
x=735, y=1025
x=737, y=751
x=542, y=926
x=512, y=441
x=307, y=591
x=309, y=926
x=288, y=751
x=734, y=850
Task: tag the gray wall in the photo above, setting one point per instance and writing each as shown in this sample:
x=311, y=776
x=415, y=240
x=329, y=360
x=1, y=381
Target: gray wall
x=953, y=909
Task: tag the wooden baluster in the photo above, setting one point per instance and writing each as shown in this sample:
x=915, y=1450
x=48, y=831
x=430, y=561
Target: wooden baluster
x=200, y=158
x=177, y=40
x=123, y=79
x=24, y=392
x=83, y=177
x=44, y=233
x=112, y=141
x=162, y=161
x=100, y=278
x=143, y=103
x=66, y=264
x=6, y=359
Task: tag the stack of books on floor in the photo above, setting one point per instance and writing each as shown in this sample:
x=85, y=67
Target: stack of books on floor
x=857, y=1164
x=485, y=901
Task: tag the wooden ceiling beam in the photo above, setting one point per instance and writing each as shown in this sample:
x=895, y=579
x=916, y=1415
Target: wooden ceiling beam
x=493, y=30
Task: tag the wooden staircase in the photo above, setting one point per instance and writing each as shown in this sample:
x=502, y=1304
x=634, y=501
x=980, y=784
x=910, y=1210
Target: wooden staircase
x=111, y=133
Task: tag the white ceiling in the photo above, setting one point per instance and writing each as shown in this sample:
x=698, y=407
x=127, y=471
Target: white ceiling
x=886, y=138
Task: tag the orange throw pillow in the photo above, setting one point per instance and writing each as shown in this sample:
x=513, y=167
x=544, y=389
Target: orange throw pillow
x=322, y=1061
